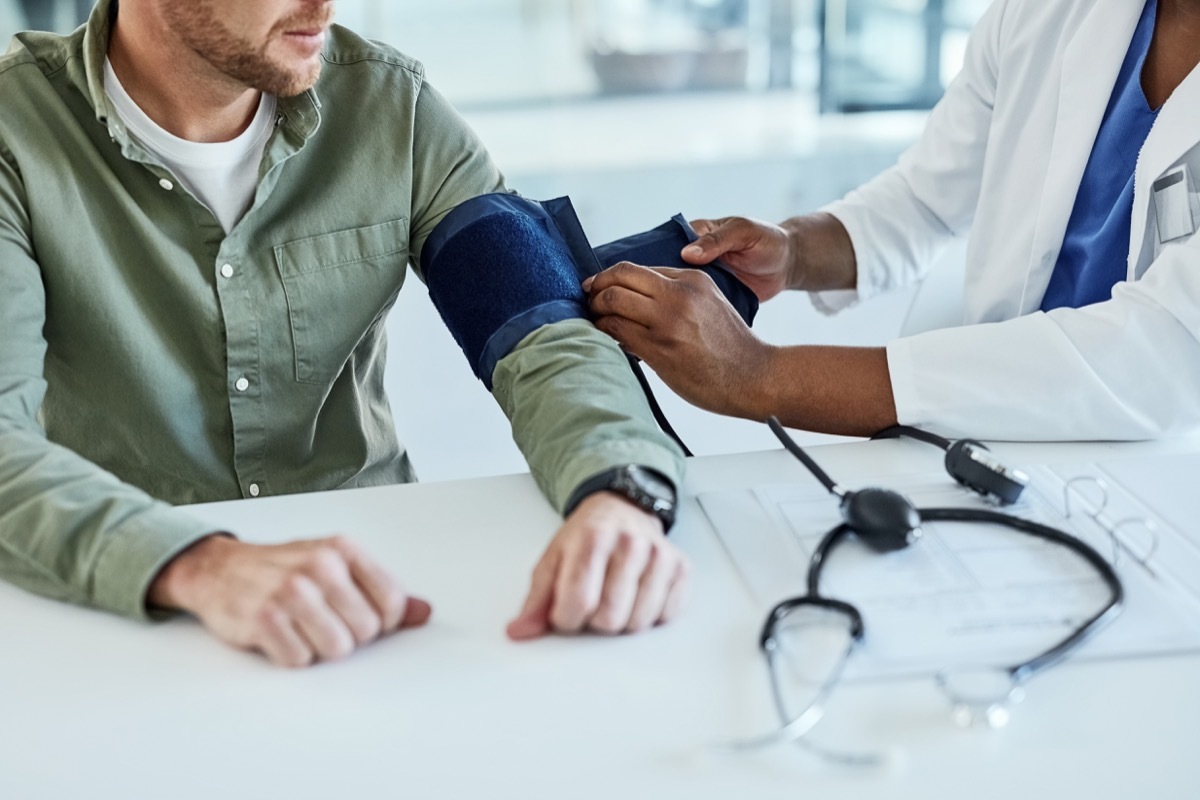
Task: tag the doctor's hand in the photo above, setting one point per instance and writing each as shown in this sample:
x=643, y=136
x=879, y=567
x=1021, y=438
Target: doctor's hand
x=296, y=603
x=610, y=569
x=679, y=323
x=758, y=253
x=811, y=253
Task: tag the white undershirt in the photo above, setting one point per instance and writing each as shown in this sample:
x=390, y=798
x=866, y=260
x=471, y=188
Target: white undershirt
x=221, y=175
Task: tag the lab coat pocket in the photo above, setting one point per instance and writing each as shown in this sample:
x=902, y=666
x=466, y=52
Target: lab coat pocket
x=338, y=287
x=1172, y=214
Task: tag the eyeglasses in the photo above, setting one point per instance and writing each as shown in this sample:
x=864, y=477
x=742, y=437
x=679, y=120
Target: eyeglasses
x=1132, y=537
x=808, y=640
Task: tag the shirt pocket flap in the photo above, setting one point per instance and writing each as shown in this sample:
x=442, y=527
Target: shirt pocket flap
x=342, y=248
x=339, y=288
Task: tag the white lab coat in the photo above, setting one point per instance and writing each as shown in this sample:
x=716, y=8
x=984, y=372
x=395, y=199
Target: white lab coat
x=1002, y=157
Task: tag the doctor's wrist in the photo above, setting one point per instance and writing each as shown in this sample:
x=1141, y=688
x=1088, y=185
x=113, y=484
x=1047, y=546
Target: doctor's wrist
x=824, y=389
x=820, y=254
x=755, y=393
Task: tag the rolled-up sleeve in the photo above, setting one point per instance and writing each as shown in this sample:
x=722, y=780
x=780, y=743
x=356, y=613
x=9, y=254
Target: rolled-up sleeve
x=575, y=406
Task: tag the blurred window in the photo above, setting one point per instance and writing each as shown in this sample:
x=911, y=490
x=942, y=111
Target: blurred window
x=854, y=55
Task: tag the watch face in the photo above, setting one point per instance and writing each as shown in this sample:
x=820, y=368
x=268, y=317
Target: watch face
x=652, y=483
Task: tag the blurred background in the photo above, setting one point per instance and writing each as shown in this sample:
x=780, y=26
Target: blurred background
x=640, y=109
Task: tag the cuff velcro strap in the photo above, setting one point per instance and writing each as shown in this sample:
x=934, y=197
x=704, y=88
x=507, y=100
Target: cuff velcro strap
x=497, y=270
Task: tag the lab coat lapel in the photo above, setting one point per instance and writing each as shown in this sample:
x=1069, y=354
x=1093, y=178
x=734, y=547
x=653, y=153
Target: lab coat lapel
x=1090, y=63
x=1175, y=132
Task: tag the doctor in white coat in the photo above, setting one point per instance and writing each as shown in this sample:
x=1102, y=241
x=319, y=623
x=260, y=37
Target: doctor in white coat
x=1069, y=148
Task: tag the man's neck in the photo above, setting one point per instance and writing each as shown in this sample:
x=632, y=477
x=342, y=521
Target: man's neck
x=172, y=84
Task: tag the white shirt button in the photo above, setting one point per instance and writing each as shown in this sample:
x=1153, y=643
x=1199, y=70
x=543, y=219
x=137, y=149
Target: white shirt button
x=254, y=490
x=227, y=271
x=242, y=384
x=166, y=184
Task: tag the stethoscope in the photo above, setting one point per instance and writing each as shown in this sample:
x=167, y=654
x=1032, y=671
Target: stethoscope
x=885, y=521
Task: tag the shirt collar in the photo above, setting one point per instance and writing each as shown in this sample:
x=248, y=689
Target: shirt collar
x=95, y=49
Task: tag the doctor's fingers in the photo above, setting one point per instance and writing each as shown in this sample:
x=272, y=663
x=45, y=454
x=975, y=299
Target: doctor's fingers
x=667, y=287
x=621, y=302
x=633, y=277
x=725, y=235
x=634, y=337
x=703, y=226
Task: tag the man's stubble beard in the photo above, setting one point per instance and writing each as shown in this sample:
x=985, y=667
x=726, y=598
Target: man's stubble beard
x=201, y=30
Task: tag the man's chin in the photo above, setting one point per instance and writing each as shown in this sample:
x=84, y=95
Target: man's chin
x=290, y=84
x=302, y=86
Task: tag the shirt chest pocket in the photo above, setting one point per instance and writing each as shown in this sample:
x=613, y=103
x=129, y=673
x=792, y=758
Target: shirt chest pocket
x=339, y=286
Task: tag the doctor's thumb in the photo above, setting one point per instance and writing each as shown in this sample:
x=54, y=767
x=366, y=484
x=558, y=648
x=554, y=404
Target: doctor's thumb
x=716, y=238
x=706, y=249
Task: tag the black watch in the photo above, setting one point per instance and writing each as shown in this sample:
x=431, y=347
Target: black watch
x=647, y=488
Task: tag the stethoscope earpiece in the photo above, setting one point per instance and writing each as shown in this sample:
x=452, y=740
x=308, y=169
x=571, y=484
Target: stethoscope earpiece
x=970, y=463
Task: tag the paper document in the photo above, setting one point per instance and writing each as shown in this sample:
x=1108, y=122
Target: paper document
x=970, y=593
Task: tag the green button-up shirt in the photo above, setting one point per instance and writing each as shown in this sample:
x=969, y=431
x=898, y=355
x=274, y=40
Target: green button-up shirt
x=147, y=358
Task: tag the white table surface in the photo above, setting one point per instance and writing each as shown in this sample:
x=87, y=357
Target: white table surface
x=94, y=706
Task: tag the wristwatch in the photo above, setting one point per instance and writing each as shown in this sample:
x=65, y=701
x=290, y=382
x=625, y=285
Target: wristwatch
x=647, y=488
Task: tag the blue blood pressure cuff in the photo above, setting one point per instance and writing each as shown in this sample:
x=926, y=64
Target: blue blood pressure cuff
x=660, y=247
x=499, y=267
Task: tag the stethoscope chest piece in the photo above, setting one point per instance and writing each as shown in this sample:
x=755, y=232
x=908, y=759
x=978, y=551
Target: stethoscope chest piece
x=883, y=520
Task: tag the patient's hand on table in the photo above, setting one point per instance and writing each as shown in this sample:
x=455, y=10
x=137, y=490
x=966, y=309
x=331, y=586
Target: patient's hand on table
x=610, y=569
x=297, y=603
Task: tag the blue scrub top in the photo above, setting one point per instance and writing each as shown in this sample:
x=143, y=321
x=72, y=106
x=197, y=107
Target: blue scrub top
x=1096, y=245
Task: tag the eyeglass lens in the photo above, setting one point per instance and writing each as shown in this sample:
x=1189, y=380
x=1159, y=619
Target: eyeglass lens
x=980, y=694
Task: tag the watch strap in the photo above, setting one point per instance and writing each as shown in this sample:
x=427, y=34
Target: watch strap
x=621, y=480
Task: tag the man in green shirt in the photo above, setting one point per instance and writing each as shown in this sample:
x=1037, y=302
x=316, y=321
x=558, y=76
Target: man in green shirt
x=207, y=208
